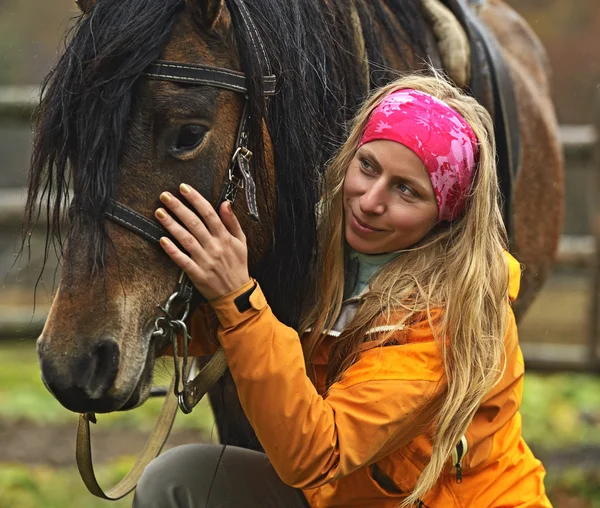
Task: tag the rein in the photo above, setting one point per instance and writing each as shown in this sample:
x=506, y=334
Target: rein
x=183, y=392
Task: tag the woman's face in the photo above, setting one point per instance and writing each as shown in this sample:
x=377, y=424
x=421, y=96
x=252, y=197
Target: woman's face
x=389, y=203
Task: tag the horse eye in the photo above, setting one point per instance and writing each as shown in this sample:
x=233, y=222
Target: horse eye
x=190, y=136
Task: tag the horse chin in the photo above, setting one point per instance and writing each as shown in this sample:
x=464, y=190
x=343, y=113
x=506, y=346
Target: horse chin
x=142, y=390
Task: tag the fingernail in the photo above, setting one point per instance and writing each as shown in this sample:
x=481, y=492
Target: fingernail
x=164, y=241
x=228, y=205
x=165, y=197
x=160, y=213
x=184, y=189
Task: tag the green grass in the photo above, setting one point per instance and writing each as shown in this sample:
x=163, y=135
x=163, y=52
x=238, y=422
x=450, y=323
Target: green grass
x=574, y=483
x=44, y=487
x=23, y=396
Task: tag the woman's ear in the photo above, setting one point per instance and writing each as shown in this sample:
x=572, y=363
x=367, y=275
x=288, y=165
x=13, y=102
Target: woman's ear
x=85, y=6
x=206, y=13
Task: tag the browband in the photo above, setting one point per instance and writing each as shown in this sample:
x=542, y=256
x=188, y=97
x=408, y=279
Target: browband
x=204, y=75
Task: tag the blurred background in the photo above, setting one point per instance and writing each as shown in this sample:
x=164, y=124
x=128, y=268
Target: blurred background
x=561, y=409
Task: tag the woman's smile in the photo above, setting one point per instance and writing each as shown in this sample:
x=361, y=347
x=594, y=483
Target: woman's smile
x=361, y=227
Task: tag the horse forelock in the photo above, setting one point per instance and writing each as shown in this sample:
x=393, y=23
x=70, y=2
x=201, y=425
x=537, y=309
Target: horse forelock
x=82, y=121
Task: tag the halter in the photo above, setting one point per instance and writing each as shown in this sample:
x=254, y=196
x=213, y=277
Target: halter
x=238, y=176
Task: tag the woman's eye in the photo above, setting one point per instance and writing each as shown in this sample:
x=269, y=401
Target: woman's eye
x=405, y=189
x=190, y=136
x=364, y=164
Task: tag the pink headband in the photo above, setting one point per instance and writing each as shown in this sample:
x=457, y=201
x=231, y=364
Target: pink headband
x=441, y=138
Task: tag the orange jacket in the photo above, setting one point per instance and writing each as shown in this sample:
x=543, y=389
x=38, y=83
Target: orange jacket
x=366, y=442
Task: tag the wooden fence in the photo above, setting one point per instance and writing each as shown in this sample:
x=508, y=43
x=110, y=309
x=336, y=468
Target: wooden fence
x=17, y=104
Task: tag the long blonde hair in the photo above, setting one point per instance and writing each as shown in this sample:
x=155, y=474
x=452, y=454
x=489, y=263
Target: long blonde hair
x=458, y=269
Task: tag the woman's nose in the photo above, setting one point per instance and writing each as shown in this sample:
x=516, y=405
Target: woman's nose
x=373, y=200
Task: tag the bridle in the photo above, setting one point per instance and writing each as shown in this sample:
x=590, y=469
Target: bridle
x=238, y=176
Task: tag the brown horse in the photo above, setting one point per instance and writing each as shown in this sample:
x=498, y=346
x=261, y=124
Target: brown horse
x=108, y=133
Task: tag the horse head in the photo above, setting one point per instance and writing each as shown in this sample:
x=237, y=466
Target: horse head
x=113, y=135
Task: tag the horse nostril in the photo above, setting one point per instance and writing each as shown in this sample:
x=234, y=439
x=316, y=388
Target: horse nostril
x=97, y=371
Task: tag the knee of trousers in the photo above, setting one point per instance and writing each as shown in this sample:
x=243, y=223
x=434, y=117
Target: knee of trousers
x=179, y=478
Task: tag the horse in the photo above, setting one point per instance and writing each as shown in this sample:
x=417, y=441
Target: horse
x=108, y=132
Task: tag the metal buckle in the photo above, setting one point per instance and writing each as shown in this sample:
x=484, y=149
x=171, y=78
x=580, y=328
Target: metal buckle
x=241, y=151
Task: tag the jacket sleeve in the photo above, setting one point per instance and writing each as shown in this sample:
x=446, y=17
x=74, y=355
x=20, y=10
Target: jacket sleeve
x=381, y=403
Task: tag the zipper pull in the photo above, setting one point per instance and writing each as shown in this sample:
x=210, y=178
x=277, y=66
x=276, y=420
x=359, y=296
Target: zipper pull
x=457, y=454
x=458, y=473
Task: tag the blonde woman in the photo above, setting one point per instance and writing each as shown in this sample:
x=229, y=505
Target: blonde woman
x=404, y=384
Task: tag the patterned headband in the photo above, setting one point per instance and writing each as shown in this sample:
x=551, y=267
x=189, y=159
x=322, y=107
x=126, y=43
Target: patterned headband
x=438, y=135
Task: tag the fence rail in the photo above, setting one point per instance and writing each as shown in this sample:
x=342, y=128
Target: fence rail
x=579, y=142
x=18, y=102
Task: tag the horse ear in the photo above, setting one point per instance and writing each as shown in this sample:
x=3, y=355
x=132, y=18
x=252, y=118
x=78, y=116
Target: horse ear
x=85, y=5
x=206, y=12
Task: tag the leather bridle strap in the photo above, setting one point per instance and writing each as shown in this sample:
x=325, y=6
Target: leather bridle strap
x=205, y=75
x=152, y=448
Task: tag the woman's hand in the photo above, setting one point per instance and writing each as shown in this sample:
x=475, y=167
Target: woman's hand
x=217, y=257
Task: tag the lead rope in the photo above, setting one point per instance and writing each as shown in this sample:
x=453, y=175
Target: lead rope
x=152, y=448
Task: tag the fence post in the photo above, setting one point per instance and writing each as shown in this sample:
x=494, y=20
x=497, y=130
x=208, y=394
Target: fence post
x=594, y=319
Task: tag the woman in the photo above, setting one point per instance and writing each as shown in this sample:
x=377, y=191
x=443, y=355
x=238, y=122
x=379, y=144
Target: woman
x=405, y=387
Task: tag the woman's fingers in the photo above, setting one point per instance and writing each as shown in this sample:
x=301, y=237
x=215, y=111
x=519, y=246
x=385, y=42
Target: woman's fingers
x=204, y=208
x=181, y=259
x=217, y=263
x=186, y=239
x=191, y=221
x=231, y=222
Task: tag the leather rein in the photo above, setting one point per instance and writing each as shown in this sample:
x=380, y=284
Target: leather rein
x=183, y=391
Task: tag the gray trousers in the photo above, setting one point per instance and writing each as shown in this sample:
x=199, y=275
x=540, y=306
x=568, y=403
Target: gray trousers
x=214, y=476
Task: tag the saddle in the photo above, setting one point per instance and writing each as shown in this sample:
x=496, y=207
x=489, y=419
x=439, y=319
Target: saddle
x=492, y=86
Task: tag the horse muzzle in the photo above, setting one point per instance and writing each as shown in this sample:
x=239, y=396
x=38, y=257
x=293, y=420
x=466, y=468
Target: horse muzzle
x=83, y=381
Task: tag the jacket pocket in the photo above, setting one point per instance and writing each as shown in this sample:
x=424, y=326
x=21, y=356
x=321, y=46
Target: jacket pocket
x=384, y=481
x=401, y=468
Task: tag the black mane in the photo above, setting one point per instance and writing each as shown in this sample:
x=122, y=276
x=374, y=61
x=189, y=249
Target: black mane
x=83, y=119
x=319, y=88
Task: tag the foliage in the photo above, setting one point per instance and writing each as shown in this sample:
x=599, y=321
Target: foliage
x=561, y=410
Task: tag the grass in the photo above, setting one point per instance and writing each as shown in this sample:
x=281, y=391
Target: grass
x=24, y=397
x=37, y=487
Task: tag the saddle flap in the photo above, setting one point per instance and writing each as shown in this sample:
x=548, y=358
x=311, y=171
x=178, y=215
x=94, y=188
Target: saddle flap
x=492, y=86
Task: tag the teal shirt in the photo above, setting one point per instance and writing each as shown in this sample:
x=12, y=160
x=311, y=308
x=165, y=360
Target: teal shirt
x=368, y=264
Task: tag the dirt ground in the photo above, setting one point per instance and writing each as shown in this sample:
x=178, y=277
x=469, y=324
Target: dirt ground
x=28, y=442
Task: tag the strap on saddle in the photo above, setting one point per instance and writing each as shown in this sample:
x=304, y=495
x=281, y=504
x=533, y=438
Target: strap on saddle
x=492, y=86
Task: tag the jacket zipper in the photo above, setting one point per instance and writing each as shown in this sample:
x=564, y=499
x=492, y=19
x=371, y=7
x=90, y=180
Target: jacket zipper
x=457, y=457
